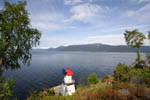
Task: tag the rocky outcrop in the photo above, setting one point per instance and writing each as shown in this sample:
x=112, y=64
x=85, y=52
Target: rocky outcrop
x=136, y=80
x=124, y=92
x=141, y=64
x=57, y=89
x=147, y=63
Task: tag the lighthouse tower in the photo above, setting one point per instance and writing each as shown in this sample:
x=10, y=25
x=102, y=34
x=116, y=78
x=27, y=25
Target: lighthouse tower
x=68, y=86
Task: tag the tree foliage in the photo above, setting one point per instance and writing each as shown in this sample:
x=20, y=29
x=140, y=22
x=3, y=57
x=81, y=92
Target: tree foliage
x=93, y=79
x=17, y=37
x=134, y=39
x=6, y=90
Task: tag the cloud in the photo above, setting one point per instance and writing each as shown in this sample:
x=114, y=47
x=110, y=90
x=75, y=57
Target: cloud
x=138, y=1
x=85, y=12
x=46, y=26
x=140, y=11
x=72, y=2
x=46, y=16
x=141, y=1
x=142, y=14
x=48, y=21
x=67, y=22
x=144, y=0
x=112, y=39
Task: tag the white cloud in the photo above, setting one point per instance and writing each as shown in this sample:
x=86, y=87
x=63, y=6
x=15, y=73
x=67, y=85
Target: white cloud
x=41, y=47
x=85, y=12
x=72, y=2
x=46, y=26
x=144, y=0
x=112, y=39
x=142, y=14
x=46, y=21
x=143, y=10
x=138, y=1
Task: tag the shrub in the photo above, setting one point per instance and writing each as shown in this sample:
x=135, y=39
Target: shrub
x=6, y=90
x=105, y=78
x=93, y=79
x=144, y=74
x=121, y=73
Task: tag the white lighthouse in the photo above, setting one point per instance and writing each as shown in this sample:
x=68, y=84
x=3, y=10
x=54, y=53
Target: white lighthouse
x=68, y=86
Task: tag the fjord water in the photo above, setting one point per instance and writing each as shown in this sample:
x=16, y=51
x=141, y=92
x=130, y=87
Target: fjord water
x=46, y=68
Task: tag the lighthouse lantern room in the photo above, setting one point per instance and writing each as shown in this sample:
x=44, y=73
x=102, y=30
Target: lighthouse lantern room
x=68, y=86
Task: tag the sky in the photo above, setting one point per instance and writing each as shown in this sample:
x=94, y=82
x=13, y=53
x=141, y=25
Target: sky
x=69, y=22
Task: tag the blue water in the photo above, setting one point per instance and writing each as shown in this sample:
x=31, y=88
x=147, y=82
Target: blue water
x=46, y=68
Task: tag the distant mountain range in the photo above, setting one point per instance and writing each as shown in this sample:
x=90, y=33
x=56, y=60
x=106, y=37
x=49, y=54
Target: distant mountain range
x=98, y=47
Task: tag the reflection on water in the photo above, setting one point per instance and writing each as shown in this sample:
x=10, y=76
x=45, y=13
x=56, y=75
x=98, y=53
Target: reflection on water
x=46, y=68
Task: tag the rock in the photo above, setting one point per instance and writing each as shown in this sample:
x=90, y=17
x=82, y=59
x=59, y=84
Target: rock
x=147, y=63
x=57, y=89
x=136, y=80
x=141, y=64
x=147, y=93
x=107, y=79
x=133, y=64
x=124, y=92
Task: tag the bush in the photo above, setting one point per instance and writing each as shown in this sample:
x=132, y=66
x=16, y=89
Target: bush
x=93, y=79
x=121, y=73
x=105, y=78
x=6, y=90
x=144, y=74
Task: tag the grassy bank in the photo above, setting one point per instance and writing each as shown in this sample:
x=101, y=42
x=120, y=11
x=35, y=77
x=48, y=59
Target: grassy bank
x=126, y=83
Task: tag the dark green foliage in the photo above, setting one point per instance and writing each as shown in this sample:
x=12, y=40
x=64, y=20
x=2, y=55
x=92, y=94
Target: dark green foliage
x=93, y=79
x=135, y=39
x=121, y=73
x=6, y=90
x=143, y=73
x=124, y=73
x=147, y=56
x=17, y=37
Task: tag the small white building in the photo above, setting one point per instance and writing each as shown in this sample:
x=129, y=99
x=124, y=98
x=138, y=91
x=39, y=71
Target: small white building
x=68, y=86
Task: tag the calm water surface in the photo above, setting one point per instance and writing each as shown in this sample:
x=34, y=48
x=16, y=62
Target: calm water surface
x=46, y=68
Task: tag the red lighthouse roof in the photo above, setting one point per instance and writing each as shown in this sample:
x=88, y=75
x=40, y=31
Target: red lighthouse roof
x=68, y=72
